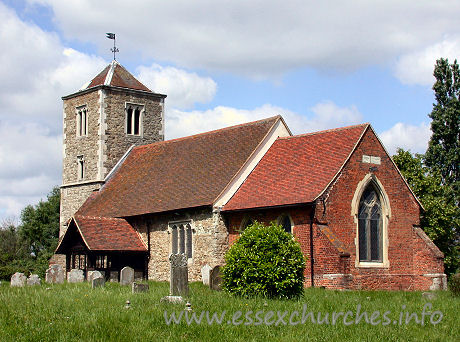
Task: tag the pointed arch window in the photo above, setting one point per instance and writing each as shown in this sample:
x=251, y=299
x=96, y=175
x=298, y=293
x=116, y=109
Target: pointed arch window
x=370, y=226
x=134, y=113
x=182, y=239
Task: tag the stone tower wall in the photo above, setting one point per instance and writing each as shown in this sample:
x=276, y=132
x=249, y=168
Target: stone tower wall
x=116, y=141
x=106, y=140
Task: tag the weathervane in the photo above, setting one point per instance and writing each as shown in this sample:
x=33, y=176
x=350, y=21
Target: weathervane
x=114, y=49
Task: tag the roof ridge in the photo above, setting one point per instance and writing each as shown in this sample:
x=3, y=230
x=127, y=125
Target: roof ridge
x=206, y=133
x=338, y=129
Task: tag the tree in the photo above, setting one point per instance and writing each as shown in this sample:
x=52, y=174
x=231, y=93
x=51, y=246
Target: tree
x=27, y=248
x=40, y=224
x=14, y=256
x=39, y=229
x=443, y=153
x=440, y=219
x=265, y=261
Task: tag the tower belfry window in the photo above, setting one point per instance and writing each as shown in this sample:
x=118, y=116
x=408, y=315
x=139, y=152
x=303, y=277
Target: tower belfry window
x=134, y=119
x=82, y=121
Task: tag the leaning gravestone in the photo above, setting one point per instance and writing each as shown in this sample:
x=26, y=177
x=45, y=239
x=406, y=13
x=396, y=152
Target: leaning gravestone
x=75, y=276
x=215, y=280
x=55, y=274
x=178, y=285
x=33, y=279
x=126, y=276
x=140, y=287
x=18, y=279
x=97, y=282
x=92, y=275
x=205, y=271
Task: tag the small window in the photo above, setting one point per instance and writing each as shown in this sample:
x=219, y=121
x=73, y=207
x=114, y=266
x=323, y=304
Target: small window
x=82, y=121
x=370, y=226
x=285, y=222
x=81, y=167
x=182, y=239
x=134, y=119
x=247, y=221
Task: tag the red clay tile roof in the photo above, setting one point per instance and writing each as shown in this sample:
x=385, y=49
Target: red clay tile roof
x=175, y=174
x=109, y=234
x=116, y=75
x=296, y=169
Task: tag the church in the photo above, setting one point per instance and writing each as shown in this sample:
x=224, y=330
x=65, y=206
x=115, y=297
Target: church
x=130, y=198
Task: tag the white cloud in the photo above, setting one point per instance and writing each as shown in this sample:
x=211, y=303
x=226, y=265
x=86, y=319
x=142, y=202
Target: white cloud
x=37, y=69
x=323, y=115
x=408, y=137
x=417, y=67
x=183, y=88
x=30, y=165
x=261, y=37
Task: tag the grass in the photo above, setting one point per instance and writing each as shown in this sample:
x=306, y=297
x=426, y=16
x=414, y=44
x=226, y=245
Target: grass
x=75, y=312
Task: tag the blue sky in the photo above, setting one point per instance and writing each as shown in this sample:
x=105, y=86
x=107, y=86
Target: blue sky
x=319, y=64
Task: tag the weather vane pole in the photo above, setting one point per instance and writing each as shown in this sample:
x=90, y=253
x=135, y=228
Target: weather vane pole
x=114, y=49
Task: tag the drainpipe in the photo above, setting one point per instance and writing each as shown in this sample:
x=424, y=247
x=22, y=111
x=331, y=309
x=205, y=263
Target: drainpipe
x=148, y=255
x=312, y=259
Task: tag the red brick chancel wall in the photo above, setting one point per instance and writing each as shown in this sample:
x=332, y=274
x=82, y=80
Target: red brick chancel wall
x=413, y=262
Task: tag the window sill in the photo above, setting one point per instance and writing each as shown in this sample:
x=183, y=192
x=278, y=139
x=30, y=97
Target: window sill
x=370, y=264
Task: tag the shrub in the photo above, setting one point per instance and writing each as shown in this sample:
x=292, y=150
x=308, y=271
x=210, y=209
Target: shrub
x=454, y=284
x=265, y=261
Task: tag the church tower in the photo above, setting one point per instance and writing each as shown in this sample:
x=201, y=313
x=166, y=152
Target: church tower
x=102, y=121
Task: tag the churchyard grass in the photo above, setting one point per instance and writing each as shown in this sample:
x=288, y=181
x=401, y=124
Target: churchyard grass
x=75, y=312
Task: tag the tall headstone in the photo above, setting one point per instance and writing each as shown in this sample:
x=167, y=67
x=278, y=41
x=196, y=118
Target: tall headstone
x=75, y=276
x=33, y=279
x=18, y=279
x=178, y=285
x=215, y=280
x=126, y=276
x=205, y=271
x=55, y=274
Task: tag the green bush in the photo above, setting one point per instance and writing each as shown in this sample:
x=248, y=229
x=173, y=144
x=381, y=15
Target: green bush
x=264, y=261
x=454, y=284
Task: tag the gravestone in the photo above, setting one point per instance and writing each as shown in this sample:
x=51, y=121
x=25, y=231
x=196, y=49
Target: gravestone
x=97, y=282
x=92, y=275
x=18, y=279
x=138, y=275
x=172, y=299
x=113, y=276
x=215, y=280
x=55, y=274
x=33, y=279
x=205, y=270
x=178, y=284
x=140, y=287
x=75, y=276
x=126, y=276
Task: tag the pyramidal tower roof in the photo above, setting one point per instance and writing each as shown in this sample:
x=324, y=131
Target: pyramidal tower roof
x=115, y=75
